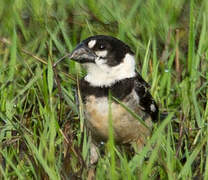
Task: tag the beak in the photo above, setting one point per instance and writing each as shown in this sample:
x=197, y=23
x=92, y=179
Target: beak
x=83, y=54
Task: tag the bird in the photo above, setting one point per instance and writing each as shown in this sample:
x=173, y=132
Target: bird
x=111, y=67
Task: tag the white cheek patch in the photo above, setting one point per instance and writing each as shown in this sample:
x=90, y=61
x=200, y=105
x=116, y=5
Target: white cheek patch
x=91, y=44
x=100, y=74
x=101, y=53
x=99, y=61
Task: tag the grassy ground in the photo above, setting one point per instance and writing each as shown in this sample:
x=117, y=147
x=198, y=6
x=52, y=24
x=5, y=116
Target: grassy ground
x=41, y=132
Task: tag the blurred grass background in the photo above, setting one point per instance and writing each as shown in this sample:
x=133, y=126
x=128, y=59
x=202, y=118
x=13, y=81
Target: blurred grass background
x=42, y=134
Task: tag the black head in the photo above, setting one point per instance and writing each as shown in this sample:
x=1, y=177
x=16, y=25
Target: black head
x=106, y=59
x=100, y=46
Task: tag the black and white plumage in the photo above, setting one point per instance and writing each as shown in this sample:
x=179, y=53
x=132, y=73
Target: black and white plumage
x=110, y=65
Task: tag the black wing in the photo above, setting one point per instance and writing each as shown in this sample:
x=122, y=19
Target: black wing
x=146, y=99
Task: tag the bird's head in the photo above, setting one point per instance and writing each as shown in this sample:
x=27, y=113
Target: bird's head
x=106, y=59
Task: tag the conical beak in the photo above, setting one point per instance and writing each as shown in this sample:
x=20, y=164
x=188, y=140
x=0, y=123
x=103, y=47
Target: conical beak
x=83, y=54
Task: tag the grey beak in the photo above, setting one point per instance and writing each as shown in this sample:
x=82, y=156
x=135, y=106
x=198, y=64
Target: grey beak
x=82, y=54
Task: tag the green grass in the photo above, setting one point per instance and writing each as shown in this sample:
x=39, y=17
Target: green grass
x=42, y=133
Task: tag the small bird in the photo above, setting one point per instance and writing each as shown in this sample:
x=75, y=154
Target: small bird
x=110, y=66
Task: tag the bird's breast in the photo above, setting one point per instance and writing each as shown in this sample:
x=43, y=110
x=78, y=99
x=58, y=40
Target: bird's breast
x=126, y=127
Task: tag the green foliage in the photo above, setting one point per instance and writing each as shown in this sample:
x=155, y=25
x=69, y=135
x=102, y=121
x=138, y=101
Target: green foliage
x=42, y=133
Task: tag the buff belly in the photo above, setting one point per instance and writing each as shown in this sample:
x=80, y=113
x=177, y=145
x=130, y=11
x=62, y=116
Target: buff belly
x=126, y=128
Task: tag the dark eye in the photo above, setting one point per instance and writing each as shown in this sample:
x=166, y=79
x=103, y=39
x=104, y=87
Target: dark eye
x=101, y=46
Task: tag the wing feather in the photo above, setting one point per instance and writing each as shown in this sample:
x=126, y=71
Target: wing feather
x=146, y=100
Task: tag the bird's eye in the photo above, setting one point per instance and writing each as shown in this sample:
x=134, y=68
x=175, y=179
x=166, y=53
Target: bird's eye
x=101, y=46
